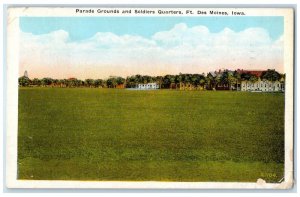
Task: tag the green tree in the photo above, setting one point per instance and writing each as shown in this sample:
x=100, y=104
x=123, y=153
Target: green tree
x=131, y=82
x=73, y=82
x=245, y=76
x=253, y=78
x=120, y=80
x=271, y=75
x=98, y=83
x=111, y=83
x=166, y=83
x=210, y=81
x=62, y=83
x=217, y=80
x=159, y=80
x=78, y=83
x=172, y=80
x=232, y=80
x=195, y=80
x=89, y=82
x=237, y=77
x=202, y=82
x=36, y=82
x=46, y=81
x=225, y=78
x=24, y=81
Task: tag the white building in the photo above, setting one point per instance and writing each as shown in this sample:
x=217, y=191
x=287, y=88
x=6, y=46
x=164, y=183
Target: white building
x=148, y=86
x=263, y=86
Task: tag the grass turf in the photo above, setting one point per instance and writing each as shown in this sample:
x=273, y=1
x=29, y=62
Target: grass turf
x=164, y=135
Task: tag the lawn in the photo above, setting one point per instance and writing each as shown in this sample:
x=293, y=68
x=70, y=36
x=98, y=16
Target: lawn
x=160, y=135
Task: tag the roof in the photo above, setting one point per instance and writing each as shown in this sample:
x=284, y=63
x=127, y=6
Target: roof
x=257, y=73
x=147, y=83
x=212, y=73
x=219, y=72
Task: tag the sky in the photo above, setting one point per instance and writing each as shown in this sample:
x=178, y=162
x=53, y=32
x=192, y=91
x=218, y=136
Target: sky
x=99, y=47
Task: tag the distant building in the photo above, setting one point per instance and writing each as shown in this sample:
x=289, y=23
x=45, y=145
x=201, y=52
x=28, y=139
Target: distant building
x=148, y=86
x=221, y=85
x=263, y=86
x=257, y=73
x=26, y=74
x=120, y=86
x=257, y=84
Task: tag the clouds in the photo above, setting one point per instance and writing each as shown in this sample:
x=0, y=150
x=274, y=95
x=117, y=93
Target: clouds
x=180, y=49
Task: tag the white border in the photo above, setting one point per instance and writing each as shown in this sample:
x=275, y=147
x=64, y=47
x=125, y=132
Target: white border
x=12, y=108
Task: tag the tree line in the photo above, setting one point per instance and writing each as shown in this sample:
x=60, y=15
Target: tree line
x=209, y=81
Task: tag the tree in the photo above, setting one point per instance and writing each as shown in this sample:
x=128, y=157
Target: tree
x=217, y=80
x=24, y=81
x=55, y=82
x=166, y=83
x=131, y=82
x=225, y=78
x=253, y=78
x=46, y=81
x=73, y=82
x=120, y=80
x=62, y=82
x=146, y=79
x=78, y=83
x=36, y=82
x=271, y=75
x=195, y=80
x=159, y=80
x=202, y=82
x=178, y=80
x=138, y=79
x=232, y=80
x=237, y=77
x=245, y=76
x=186, y=80
x=89, y=82
x=98, y=83
x=172, y=80
x=111, y=83
x=210, y=81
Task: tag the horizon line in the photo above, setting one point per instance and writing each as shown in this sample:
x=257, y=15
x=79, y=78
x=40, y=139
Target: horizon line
x=114, y=76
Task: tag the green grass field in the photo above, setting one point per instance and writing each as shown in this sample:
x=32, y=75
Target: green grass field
x=162, y=135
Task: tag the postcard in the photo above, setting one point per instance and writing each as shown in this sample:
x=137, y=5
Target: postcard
x=127, y=97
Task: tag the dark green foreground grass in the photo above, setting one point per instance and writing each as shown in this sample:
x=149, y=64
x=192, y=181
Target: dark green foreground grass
x=164, y=135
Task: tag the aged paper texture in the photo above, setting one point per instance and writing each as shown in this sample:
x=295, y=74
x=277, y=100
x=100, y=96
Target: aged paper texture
x=150, y=97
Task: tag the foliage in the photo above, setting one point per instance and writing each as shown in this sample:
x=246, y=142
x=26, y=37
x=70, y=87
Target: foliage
x=98, y=83
x=36, y=82
x=192, y=81
x=46, y=81
x=24, y=81
x=89, y=82
x=271, y=75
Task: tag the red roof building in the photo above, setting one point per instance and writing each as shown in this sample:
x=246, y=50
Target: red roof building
x=257, y=73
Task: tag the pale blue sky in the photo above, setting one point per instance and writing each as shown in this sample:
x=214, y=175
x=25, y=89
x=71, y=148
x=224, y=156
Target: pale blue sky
x=80, y=28
x=96, y=47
